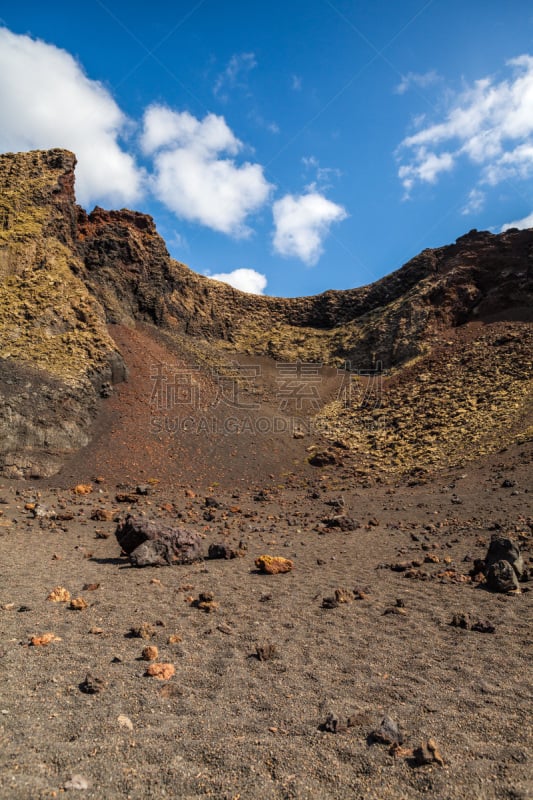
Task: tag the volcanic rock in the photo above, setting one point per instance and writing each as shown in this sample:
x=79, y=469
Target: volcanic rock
x=501, y=548
x=323, y=458
x=221, y=551
x=163, y=672
x=65, y=275
x=55, y=351
x=151, y=543
x=501, y=577
x=264, y=652
x=92, y=684
x=388, y=732
x=427, y=753
x=273, y=565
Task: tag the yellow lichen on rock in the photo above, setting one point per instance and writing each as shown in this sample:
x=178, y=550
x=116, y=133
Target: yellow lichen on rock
x=273, y=565
x=59, y=595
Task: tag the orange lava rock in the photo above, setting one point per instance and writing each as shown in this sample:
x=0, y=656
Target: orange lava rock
x=143, y=631
x=78, y=604
x=398, y=751
x=174, y=638
x=150, y=653
x=44, y=639
x=102, y=515
x=127, y=497
x=209, y=606
x=206, y=602
x=83, y=488
x=273, y=565
x=453, y=576
x=434, y=749
x=344, y=595
x=428, y=753
x=64, y=516
x=160, y=671
x=59, y=595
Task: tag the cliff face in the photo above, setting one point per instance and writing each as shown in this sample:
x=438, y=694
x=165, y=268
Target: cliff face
x=393, y=320
x=55, y=352
x=65, y=275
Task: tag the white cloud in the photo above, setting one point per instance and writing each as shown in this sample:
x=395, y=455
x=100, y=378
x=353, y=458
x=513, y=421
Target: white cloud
x=192, y=179
x=235, y=76
x=296, y=83
x=323, y=175
x=475, y=202
x=525, y=222
x=166, y=128
x=302, y=223
x=490, y=124
x=416, y=79
x=427, y=169
x=47, y=101
x=247, y=280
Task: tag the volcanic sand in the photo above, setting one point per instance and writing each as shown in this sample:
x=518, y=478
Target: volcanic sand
x=226, y=724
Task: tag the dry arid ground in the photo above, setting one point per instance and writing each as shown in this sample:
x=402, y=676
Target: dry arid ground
x=379, y=665
x=228, y=724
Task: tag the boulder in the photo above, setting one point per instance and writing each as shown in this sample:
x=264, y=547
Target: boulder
x=342, y=521
x=151, y=543
x=323, y=458
x=501, y=577
x=387, y=733
x=273, y=565
x=501, y=548
x=221, y=551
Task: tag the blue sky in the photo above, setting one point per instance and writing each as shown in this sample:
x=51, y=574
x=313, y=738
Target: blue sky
x=295, y=146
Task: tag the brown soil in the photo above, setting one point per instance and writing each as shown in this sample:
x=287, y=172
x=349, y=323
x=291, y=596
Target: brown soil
x=229, y=436
x=228, y=724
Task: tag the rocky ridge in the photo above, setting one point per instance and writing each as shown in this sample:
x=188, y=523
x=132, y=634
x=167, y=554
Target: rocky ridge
x=68, y=277
x=55, y=351
x=392, y=320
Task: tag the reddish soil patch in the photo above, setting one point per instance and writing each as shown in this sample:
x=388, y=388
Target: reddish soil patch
x=209, y=431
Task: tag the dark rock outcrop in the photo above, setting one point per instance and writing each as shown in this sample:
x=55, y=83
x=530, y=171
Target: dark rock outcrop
x=504, y=565
x=151, y=543
x=501, y=548
x=392, y=320
x=55, y=351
